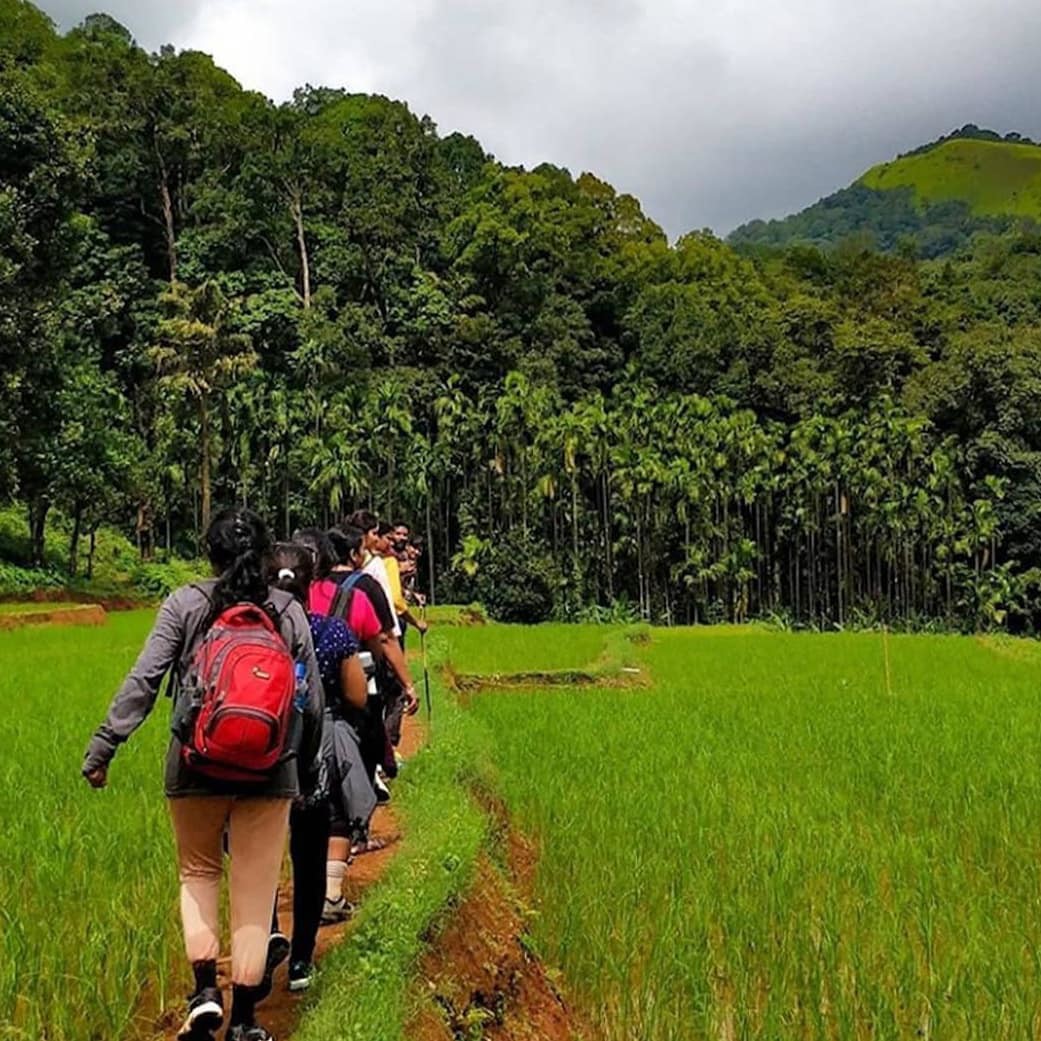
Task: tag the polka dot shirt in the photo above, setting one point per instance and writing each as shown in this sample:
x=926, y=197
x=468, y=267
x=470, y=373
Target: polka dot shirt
x=333, y=642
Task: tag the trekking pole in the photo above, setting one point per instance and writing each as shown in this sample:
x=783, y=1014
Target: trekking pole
x=885, y=656
x=426, y=670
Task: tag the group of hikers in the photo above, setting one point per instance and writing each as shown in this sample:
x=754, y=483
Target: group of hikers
x=289, y=685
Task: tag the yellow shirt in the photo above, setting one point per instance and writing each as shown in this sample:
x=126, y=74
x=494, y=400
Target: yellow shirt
x=394, y=575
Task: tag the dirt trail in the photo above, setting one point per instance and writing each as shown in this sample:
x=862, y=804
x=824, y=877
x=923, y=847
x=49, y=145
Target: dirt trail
x=280, y=1013
x=482, y=980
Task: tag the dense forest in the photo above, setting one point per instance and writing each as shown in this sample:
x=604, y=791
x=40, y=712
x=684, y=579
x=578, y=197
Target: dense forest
x=207, y=298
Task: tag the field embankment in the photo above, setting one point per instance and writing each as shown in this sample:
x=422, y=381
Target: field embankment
x=17, y=616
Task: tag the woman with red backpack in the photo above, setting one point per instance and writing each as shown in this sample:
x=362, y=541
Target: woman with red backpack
x=247, y=728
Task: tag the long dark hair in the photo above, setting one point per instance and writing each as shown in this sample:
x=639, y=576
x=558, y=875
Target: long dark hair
x=291, y=568
x=346, y=542
x=237, y=544
x=317, y=542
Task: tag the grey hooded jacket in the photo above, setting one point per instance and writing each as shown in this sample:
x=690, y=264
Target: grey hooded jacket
x=170, y=648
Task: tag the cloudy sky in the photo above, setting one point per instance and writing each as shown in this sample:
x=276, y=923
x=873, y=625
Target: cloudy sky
x=712, y=112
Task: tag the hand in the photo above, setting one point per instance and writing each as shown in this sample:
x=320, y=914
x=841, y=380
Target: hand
x=412, y=702
x=97, y=778
x=422, y=626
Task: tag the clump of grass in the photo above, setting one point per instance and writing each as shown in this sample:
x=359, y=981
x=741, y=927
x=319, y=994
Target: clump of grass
x=454, y=614
x=503, y=650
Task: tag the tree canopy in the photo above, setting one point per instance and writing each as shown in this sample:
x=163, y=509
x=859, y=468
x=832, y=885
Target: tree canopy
x=206, y=297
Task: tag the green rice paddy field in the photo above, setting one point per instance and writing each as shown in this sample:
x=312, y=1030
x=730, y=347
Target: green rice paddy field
x=760, y=842
x=767, y=844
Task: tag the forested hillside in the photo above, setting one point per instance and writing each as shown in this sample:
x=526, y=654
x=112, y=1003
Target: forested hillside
x=206, y=297
x=929, y=202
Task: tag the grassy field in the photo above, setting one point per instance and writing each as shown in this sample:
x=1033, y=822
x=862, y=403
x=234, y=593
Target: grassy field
x=769, y=845
x=500, y=650
x=87, y=891
x=993, y=177
x=764, y=843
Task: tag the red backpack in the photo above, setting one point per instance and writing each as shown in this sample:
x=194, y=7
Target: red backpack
x=245, y=682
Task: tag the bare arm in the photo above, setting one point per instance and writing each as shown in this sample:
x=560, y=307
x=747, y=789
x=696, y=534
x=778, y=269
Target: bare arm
x=396, y=660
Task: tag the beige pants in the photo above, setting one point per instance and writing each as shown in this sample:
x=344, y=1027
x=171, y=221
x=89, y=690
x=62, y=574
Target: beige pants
x=257, y=830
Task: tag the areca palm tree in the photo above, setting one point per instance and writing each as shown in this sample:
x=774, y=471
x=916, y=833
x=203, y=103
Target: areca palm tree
x=200, y=355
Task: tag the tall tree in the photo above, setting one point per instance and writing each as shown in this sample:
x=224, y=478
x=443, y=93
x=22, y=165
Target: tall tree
x=199, y=355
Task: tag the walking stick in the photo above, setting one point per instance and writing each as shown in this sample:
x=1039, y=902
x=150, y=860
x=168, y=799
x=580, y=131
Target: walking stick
x=426, y=670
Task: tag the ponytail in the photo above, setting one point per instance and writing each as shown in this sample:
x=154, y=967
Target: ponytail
x=237, y=544
x=290, y=567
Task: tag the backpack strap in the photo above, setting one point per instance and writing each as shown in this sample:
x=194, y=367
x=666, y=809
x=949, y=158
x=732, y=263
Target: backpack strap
x=341, y=604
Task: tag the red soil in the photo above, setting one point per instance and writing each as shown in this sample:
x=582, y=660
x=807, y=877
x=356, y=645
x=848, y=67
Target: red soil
x=484, y=982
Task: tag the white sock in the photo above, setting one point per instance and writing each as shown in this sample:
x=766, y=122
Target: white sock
x=335, y=871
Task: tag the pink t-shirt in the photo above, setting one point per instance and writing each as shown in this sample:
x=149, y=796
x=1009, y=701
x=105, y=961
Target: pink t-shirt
x=362, y=619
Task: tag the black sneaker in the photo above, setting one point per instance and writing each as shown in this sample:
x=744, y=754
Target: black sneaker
x=254, y=1033
x=300, y=974
x=277, y=952
x=205, y=1015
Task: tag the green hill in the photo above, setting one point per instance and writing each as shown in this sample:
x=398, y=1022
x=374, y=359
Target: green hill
x=993, y=178
x=935, y=198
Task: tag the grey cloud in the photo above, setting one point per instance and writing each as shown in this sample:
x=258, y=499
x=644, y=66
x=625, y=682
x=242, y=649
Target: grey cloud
x=710, y=114
x=152, y=22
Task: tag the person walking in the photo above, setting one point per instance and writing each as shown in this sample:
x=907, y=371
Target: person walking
x=399, y=699
x=231, y=768
x=345, y=687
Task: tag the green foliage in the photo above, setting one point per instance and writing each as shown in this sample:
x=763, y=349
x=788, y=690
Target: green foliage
x=207, y=298
x=932, y=200
x=155, y=581
x=516, y=581
x=116, y=570
x=18, y=581
x=993, y=178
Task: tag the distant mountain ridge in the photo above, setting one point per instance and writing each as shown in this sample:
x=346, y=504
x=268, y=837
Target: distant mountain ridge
x=932, y=199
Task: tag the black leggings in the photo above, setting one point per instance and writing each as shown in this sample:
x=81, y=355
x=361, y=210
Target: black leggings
x=308, y=849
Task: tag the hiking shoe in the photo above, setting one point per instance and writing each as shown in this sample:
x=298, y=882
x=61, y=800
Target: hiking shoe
x=338, y=910
x=382, y=791
x=277, y=952
x=205, y=1015
x=300, y=973
x=254, y=1033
